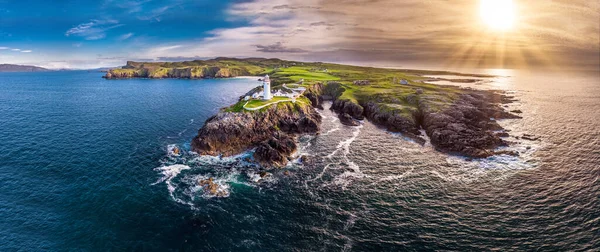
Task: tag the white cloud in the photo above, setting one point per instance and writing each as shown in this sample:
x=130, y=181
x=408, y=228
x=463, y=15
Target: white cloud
x=93, y=30
x=26, y=51
x=4, y=48
x=15, y=50
x=125, y=36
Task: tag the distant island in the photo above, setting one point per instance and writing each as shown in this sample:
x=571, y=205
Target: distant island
x=456, y=120
x=21, y=68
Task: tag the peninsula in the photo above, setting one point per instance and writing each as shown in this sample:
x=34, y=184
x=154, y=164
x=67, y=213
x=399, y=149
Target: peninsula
x=456, y=120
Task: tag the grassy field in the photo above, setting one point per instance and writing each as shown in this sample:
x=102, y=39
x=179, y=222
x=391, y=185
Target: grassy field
x=257, y=103
x=383, y=89
x=306, y=73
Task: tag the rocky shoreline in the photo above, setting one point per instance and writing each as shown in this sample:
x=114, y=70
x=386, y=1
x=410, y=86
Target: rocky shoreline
x=271, y=131
x=467, y=126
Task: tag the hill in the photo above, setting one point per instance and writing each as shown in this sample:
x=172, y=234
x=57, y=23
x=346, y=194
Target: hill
x=21, y=68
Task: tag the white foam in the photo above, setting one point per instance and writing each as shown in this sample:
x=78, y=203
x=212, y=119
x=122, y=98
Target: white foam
x=347, y=176
x=169, y=173
x=330, y=131
x=171, y=150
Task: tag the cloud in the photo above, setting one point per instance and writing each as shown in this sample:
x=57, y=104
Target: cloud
x=15, y=49
x=410, y=32
x=278, y=48
x=155, y=14
x=26, y=51
x=4, y=48
x=93, y=30
x=125, y=36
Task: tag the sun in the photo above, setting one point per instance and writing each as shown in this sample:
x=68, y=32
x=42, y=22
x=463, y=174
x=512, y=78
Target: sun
x=498, y=14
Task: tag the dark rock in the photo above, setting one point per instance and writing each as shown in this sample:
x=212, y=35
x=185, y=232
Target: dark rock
x=362, y=82
x=517, y=111
x=315, y=95
x=269, y=131
x=465, y=127
x=348, y=107
x=502, y=134
x=275, y=151
x=211, y=187
x=419, y=91
x=530, y=137
x=304, y=159
x=506, y=152
x=346, y=119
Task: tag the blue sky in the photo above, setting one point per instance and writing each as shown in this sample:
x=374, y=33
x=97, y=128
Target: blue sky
x=407, y=33
x=76, y=30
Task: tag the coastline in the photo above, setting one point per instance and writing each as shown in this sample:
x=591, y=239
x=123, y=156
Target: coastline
x=457, y=121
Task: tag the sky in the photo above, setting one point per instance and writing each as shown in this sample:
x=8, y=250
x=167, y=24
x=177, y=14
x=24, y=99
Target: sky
x=549, y=34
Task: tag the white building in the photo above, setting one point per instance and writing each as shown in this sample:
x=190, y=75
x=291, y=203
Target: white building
x=267, y=88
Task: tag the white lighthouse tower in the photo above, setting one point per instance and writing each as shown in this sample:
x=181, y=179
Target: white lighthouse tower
x=267, y=88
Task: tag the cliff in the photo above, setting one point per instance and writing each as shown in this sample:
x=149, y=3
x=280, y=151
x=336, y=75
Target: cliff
x=271, y=131
x=457, y=121
x=197, y=69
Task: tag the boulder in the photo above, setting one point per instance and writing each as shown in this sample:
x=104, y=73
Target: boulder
x=346, y=119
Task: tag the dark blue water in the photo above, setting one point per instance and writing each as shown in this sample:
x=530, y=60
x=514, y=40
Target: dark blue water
x=84, y=166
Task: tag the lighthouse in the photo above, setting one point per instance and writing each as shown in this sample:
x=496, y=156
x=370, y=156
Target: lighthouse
x=267, y=88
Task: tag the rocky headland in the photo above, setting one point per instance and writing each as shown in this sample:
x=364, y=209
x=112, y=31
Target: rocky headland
x=272, y=131
x=456, y=120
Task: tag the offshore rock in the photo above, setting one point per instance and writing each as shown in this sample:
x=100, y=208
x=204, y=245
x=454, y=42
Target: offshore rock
x=347, y=120
x=211, y=187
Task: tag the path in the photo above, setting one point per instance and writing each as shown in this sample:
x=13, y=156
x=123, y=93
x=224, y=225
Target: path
x=268, y=104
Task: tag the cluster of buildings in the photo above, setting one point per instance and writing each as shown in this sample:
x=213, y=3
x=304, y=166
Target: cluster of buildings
x=266, y=93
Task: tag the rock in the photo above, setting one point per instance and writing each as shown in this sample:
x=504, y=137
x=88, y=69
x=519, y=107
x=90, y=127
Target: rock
x=464, y=127
x=528, y=147
x=286, y=173
x=348, y=107
x=517, y=111
x=304, y=159
x=419, y=91
x=315, y=95
x=530, y=137
x=211, y=187
x=346, y=119
x=269, y=131
x=506, y=152
x=362, y=82
x=275, y=150
x=502, y=134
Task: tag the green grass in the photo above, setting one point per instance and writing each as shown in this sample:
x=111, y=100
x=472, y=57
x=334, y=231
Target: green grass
x=257, y=103
x=297, y=73
x=395, y=97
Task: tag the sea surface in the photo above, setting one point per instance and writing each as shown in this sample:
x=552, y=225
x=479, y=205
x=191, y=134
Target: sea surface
x=85, y=164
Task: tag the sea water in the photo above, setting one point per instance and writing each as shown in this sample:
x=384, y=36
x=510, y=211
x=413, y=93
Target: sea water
x=85, y=164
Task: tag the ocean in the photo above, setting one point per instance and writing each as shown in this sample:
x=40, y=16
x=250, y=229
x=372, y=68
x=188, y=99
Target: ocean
x=85, y=165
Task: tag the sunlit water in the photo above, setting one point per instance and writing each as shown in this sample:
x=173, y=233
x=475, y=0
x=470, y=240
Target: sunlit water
x=85, y=165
